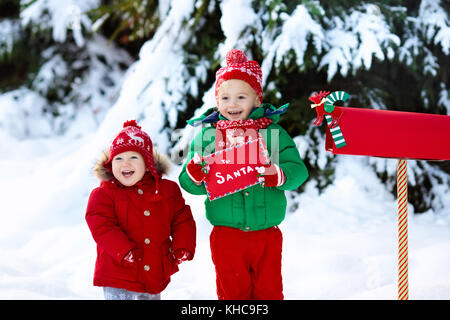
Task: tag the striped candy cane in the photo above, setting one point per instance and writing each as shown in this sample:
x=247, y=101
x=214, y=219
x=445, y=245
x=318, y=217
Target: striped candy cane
x=336, y=132
x=332, y=98
x=402, y=203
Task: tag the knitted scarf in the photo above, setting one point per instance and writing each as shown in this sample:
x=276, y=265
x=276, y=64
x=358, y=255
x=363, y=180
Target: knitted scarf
x=231, y=133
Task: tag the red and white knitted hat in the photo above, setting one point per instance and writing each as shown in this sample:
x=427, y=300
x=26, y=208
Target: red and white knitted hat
x=132, y=138
x=239, y=67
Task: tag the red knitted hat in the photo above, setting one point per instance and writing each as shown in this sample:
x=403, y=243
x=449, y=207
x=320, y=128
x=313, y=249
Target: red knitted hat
x=132, y=138
x=238, y=67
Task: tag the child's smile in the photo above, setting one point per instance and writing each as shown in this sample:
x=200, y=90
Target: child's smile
x=128, y=167
x=127, y=173
x=236, y=99
x=233, y=115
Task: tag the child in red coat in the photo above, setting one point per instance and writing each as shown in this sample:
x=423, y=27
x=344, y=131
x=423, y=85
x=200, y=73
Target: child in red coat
x=140, y=222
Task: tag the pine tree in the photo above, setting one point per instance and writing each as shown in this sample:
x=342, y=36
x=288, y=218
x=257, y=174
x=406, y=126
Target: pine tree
x=387, y=54
x=54, y=67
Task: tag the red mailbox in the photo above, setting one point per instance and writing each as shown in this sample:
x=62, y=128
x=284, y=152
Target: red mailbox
x=392, y=134
x=387, y=134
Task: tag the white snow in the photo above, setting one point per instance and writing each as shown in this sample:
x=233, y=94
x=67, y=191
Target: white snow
x=354, y=41
x=293, y=36
x=26, y=113
x=434, y=22
x=338, y=244
x=444, y=99
x=21, y=116
x=234, y=22
x=10, y=29
x=63, y=16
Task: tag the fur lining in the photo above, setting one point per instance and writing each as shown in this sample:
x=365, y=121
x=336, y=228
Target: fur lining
x=162, y=165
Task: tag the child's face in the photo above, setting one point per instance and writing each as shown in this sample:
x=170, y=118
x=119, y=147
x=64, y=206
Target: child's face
x=236, y=99
x=128, y=167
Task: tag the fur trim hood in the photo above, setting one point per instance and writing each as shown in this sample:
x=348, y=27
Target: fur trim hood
x=162, y=165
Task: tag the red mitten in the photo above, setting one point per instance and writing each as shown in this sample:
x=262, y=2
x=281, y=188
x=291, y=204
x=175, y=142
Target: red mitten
x=271, y=176
x=181, y=255
x=197, y=169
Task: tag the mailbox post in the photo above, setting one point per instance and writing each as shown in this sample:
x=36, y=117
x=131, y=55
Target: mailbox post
x=392, y=134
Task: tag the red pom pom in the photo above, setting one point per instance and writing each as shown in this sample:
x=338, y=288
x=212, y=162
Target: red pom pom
x=235, y=56
x=131, y=123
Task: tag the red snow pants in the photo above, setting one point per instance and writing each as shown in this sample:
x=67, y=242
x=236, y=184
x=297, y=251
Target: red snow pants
x=248, y=263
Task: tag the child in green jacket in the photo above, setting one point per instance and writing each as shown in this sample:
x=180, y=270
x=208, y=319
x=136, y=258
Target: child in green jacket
x=245, y=242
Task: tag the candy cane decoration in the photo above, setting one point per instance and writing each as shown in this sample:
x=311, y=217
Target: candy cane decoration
x=402, y=203
x=336, y=132
x=333, y=97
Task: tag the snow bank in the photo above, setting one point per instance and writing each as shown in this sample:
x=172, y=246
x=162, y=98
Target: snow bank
x=340, y=244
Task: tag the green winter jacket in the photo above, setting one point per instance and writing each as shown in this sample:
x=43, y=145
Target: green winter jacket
x=255, y=208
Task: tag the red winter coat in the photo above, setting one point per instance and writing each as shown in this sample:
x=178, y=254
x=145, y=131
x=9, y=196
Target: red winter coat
x=122, y=218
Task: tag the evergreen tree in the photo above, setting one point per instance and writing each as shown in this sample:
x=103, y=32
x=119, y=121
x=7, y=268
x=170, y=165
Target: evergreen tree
x=387, y=54
x=54, y=67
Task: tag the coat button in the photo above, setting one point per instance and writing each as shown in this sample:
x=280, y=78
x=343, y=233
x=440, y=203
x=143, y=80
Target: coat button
x=146, y=213
x=146, y=267
x=147, y=241
x=246, y=194
x=140, y=191
x=247, y=228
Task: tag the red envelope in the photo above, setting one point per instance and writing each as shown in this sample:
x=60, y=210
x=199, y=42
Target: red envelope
x=234, y=169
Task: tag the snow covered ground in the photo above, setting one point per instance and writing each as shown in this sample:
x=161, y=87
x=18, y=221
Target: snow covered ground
x=340, y=244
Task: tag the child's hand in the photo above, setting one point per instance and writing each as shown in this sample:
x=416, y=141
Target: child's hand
x=181, y=255
x=271, y=176
x=197, y=169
